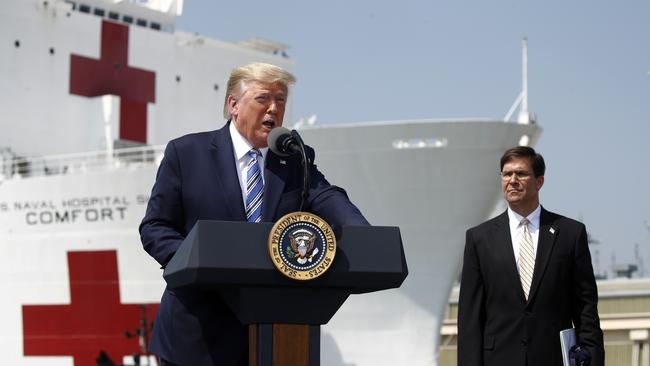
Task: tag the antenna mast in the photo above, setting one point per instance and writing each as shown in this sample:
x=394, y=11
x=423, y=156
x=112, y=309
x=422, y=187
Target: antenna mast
x=524, y=117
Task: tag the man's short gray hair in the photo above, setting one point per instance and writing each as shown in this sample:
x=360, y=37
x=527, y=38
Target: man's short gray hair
x=258, y=71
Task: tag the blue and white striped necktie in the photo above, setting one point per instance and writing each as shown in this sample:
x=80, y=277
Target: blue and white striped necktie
x=254, y=188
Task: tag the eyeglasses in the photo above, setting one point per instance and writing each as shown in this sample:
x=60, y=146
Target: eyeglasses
x=519, y=174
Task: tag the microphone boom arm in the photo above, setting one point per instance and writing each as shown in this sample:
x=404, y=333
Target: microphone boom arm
x=304, y=204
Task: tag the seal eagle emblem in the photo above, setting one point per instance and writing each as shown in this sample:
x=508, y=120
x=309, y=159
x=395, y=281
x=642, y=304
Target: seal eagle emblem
x=302, y=245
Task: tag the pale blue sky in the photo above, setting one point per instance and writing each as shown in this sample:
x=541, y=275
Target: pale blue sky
x=589, y=64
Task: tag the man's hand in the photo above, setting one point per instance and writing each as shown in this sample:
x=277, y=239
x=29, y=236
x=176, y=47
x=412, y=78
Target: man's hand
x=580, y=355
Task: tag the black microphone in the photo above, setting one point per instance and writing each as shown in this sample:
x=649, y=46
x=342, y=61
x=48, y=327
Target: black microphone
x=284, y=142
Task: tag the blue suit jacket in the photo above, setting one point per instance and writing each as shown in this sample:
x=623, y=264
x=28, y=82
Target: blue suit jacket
x=197, y=180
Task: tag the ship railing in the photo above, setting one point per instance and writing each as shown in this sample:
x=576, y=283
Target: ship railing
x=17, y=167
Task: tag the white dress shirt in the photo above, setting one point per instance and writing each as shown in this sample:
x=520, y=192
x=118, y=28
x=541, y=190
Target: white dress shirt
x=517, y=230
x=241, y=147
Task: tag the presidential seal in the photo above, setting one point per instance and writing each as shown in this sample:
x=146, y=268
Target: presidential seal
x=302, y=246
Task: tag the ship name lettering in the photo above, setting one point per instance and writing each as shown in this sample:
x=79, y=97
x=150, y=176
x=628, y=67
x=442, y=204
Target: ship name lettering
x=94, y=201
x=33, y=205
x=74, y=215
x=141, y=199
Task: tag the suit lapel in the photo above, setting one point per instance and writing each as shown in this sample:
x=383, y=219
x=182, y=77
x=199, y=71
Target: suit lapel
x=504, y=250
x=545, y=242
x=275, y=175
x=221, y=150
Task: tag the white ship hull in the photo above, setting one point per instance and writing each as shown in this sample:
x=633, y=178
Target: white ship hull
x=433, y=179
x=433, y=194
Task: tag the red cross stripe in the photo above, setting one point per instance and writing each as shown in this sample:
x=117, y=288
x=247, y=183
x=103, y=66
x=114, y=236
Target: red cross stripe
x=94, y=321
x=111, y=75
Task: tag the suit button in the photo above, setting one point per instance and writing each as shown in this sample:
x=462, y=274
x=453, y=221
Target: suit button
x=524, y=342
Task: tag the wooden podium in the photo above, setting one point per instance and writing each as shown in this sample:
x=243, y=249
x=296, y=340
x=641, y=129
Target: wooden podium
x=284, y=315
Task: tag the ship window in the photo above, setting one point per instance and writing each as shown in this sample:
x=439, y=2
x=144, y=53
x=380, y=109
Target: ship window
x=72, y=3
x=113, y=15
x=127, y=19
x=141, y=22
x=100, y=12
x=155, y=25
x=84, y=8
x=420, y=143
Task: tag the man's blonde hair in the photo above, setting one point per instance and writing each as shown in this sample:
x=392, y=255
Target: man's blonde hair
x=262, y=72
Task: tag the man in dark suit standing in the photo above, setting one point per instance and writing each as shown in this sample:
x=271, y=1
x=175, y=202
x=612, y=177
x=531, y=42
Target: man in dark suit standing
x=526, y=276
x=228, y=174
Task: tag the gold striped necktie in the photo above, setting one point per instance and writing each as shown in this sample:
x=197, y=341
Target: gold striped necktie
x=526, y=258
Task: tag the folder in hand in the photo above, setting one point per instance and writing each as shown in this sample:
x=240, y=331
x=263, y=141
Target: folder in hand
x=567, y=340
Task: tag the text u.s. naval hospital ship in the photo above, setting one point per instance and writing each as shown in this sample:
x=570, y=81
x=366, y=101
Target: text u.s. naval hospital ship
x=91, y=90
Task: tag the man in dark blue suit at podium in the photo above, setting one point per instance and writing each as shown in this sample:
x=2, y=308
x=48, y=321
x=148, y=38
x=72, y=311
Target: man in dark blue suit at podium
x=228, y=174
